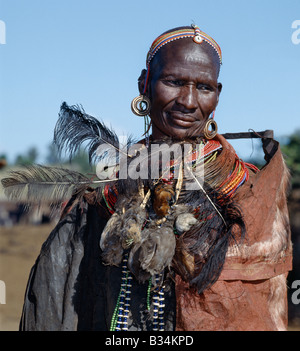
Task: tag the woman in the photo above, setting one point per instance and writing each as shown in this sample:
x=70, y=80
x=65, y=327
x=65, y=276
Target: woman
x=212, y=258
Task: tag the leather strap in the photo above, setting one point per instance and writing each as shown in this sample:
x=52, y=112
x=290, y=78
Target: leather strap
x=266, y=134
x=270, y=146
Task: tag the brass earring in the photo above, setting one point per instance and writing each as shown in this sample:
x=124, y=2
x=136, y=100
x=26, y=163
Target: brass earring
x=141, y=105
x=210, y=133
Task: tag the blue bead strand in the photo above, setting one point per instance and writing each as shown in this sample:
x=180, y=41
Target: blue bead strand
x=158, y=306
x=120, y=316
x=119, y=320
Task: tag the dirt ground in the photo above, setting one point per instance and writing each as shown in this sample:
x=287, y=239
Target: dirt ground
x=19, y=248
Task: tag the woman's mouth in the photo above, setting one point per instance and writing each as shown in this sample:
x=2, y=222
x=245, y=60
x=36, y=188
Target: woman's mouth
x=181, y=120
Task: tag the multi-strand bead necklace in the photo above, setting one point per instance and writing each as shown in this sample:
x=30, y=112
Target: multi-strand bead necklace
x=119, y=321
x=120, y=316
x=158, y=305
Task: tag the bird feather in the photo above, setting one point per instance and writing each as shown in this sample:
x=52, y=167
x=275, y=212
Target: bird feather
x=75, y=128
x=37, y=184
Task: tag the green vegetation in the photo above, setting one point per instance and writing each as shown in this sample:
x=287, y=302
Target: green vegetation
x=291, y=152
x=80, y=162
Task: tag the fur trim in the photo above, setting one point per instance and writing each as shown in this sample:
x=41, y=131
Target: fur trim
x=277, y=302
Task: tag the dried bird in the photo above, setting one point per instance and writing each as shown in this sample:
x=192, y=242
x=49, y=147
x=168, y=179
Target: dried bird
x=163, y=198
x=154, y=252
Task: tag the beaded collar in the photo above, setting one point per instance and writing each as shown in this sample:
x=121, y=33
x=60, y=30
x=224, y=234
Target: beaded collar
x=211, y=149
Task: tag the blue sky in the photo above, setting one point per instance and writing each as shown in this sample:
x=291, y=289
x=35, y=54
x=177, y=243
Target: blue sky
x=91, y=52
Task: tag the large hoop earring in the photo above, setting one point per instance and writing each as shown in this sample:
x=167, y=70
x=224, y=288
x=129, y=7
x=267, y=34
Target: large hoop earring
x=210, y=133
x=141, y=105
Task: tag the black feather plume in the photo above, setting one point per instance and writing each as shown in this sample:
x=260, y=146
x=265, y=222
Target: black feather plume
x=75, y=127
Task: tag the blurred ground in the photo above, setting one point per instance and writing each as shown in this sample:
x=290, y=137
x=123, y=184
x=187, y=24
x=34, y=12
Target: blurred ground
x=19, y=248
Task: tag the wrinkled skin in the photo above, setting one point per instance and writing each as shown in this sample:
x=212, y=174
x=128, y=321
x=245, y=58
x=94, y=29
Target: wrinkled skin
x=183, y=88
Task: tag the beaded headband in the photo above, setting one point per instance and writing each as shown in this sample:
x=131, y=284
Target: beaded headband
x=193, y=32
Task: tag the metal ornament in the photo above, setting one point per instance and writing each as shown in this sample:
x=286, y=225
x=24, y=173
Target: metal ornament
x=141, y=105
x=210, y=133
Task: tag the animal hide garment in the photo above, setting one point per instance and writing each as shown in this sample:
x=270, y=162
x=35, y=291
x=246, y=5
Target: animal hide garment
x=251, y=292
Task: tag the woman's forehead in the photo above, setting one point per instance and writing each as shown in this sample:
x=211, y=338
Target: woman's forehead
x=183, y=55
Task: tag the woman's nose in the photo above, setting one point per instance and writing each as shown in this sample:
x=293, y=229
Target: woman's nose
x=188, y=97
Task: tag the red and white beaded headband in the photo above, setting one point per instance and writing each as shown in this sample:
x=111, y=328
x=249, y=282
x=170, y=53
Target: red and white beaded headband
x=193, y=32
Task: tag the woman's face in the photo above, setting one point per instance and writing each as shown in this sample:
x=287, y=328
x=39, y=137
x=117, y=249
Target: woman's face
x=183, y=89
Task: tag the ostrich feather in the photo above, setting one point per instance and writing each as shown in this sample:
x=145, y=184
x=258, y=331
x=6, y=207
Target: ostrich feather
x=37, y=184
x=75, y=127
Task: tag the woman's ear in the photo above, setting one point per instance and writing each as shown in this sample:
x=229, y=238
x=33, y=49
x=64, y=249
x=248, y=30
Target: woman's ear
x=220, y=86
x=141, y=81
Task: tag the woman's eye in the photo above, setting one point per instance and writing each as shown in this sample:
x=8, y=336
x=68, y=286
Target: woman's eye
x=175, y=83
x=204, y=87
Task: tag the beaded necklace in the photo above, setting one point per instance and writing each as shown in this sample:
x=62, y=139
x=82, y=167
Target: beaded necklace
x=238, y=176
x=158, y=306
x=205, y=153
x=210, y=151
x=119, y=321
